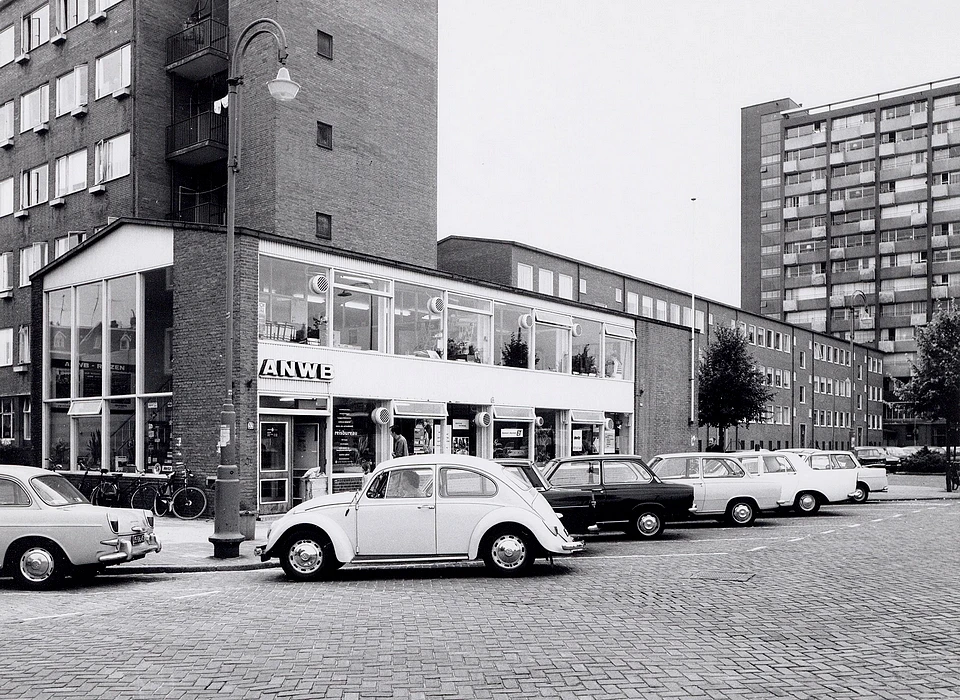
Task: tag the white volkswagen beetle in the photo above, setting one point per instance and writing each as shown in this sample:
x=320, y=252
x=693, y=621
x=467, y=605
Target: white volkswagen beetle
x=421, y=508
x=48, y=529
x=802, y=488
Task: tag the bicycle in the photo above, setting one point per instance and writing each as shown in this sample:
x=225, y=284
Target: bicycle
x=107, y=491
x=186, y=502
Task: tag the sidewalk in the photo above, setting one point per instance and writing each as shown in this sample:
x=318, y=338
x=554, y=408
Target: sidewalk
x=186, y=547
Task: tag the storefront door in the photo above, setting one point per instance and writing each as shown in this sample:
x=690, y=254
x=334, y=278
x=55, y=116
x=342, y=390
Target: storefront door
x=463, y=435
x=274, y=479
x=308, y=453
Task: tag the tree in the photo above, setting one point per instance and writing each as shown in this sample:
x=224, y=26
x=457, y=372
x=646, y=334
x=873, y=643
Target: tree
x=732, y=390
x=934, y=386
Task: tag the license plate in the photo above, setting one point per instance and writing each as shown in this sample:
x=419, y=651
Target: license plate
x=136, y=539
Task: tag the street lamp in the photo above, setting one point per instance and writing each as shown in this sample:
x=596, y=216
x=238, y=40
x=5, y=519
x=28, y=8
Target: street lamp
x=226, y=536
x=858, y=300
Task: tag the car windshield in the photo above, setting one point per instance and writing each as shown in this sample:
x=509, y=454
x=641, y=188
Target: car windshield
x=519, y=475
x=54, y=490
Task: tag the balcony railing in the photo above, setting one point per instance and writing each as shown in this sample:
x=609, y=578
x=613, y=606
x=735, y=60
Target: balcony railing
x=206, y=213
x=200, y=50
x=199, y=139
x=899, y=412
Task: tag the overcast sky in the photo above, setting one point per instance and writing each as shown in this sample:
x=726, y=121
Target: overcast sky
x=586, y=126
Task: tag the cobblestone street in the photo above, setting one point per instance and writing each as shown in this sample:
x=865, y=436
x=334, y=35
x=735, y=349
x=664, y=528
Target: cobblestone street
x=858, y=602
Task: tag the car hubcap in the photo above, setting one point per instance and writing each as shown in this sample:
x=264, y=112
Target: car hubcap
x=509, y=551
x=648, y=524
x=807, y=502
x=306, y=556
x=858, y=495
x=36, y=565
x=742, y=512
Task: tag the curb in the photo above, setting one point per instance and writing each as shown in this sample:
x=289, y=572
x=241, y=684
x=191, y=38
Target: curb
x=186, y=568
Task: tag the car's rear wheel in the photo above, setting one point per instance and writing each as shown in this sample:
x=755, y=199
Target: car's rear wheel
x=806, y=503
x=741, y=513
x=646, y=524
x=861, y=493
x=38, y=565
x=307, y=555
x=508, y=552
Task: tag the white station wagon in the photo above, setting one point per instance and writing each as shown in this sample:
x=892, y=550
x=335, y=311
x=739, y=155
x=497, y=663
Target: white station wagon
x=802, y=488
x=721, y=486
x=421, y=508
x=48, y=529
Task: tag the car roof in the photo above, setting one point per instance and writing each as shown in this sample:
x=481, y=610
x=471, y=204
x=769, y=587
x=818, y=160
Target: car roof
x=514, y=462
x=22, y=471
x=697, y=454
x=585, y=458
x=486, y=465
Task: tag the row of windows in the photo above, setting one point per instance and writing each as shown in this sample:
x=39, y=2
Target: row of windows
x=111, y=161
x=863, y=166
x=765, y=337
x=545, y=282
x=777, y=415
x=852, y=265
x=6, y=346
x=831, y=419
x=776, y=377
x=831, y=353
x=805, y=200
x=35, y=26
x=853, y=240
x=33, y=257
x=805, y=246
x=831, y=387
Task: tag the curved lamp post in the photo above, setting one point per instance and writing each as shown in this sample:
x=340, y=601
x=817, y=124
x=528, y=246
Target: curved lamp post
x=858, y=300
x=226, y=536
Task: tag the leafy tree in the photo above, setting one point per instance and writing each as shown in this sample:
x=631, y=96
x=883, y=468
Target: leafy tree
x=934, y=386
x=732, y=389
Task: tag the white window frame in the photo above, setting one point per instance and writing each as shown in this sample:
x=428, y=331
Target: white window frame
x=35, y=29
x=103, y=5
x=26, y=408
x=107, y=80
x=112, y=159
x=66, y=243
x=633, y=303
x=32, y=115
x=525, y=276
x=7, y=119
x=545, y=281
x=71, y=13
x=6, y=197
x=32, y=258
x=6, y=347
x=23, y=345
x=564, y=286
x=74, y=86
x=71, y=173
x=8, y=40
x=6, y=272
x=34, y=186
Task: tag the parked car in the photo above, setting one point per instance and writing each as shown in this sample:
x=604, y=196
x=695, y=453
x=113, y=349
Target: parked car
x=432, y=507
x=626, y=495
x=575, y=507
x=872, y=456
x=721, y=485
x=801, y=488
x=48, y=530
x=868, y=478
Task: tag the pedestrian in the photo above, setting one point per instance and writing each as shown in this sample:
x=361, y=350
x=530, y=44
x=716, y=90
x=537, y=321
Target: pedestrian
x=712, y=446
x=313, y=476
x=400, y=447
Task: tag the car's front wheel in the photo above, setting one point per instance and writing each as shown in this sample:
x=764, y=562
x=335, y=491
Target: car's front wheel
x=806, y=503
x=741, y=513
x=307, y=555
x=38, y=565
x=646, y=524
x=508, y=552
x=861, y=493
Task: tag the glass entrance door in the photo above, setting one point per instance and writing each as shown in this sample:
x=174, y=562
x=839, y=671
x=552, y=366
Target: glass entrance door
x=274, y=478
x=308, y=453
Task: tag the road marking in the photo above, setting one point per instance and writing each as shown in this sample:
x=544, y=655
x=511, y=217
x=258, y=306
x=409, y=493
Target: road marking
x=797, y=539
x=877, y=520
x=735, y=539
x=855, y=525
x=194, y=595
x=50, y=617
x=897, y=515
x=653, y=556
x=757, y=549
x=827, y=532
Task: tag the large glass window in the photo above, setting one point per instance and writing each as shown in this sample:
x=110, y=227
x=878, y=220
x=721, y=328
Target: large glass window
x=72, y=90
x=122, y=320
x=417, y=321
x=511, y=335
x=6, y=197
x=354, y=442
x=112, y=158
x=90, y=339
x=71, y=173
x=157, y=412
x=158, y=331
x=273, y=462
x=468, y=328
x=586, y=348
x=511, y=439
x=113, y=71
x=585, y=438
x=122, y=431
x=7, y=37
x=360, y=310
x=73, y=12
x=552, y=348
x=545, y=436
x=617, y=355
x=34, y=186
x=293, y=301
x=59, y=342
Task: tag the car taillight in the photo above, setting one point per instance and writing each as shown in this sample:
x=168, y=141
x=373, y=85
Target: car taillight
x=150, y=519
x=114, y=524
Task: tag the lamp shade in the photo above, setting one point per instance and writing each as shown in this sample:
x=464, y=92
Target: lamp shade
x=282, y=87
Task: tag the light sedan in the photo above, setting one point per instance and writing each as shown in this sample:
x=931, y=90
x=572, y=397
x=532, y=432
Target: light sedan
x=422, y=508
x=721, y=486
x=869, y=479
x=801, y=488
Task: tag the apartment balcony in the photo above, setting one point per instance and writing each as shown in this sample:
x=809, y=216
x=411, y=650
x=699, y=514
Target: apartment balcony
x=206, y=213
x=865, y=323
x=812, y=256
x=918, y=169
x=944, y=217
x=951, y=138
x=918, y=269
x=945, y=114
x=887, y=198
x=860, y=154
x=886, y=149
x=886, y=346
x=789, y=305
x=818, y=326
x=894, y=273
x=940, y=242
x=838, y=253
x=898, y=412
x=907, y=345
x=199, y=51
x=945, y=165
x=837, y=301
x=805, y=141
x=198, y=140
x=886, y=297
x=887, y=247
x=838, y=205
x=791, y=258
x=940, y=292
x=867, y=225
x=946, y=267
x=938, y=191
x=818, y=279
x=868, y=176
x=918, y=218
x=910, y=196
x=918, y=319
x=790, y=212
x=845, y=277
x=866, y=273
x=818, y=232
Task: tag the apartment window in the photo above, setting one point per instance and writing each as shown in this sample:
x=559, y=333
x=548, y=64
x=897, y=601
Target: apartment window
x=324, y=226
x=68, y=242
x=112, y=159
x=35, y=30
x=618, y=295
x=113, y=71
x=324, y=44
x=34, y=108
x=802, y=393
x=325, y=136
x=675, y=313
x=23, y=345
x=583, y=286
x=6, y=120
x=6, y=349
x=525, y=276
x=25, y=411
x=6, y=272
x=6, y=197
x=33, y=186
x=565, y=286
x=661, y=310
x=73, y=12
x=6, y=45
x=633, y=303
x=32, y=258
x=72, y=90
x=647, y=306
x=71, y=173
x=545, y=284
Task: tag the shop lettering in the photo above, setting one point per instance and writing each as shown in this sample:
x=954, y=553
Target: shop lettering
x=291, y=369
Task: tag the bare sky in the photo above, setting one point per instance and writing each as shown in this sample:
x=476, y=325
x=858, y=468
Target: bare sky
x=586, y=126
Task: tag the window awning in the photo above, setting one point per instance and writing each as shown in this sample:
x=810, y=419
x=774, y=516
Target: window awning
x=553, y=318
x=619, y=331
x=514, y=413
x=587, y=416
x=419, y=409
x=90, y=407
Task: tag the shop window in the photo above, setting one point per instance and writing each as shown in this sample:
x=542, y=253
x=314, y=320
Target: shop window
x=585, y=440
x=354, y=442
x=122, y=325
x=468, y=328
x=417, y=321
x=273, y=479
x=89, y=323
x=545, y=436
x=616, y=434
x=113, y=71
x=122, y=431
x=360, y=308
x=58, y=435
x=59, y=342
x=586, y=348
x=157, y=414
x=511, y=335
x=552, y=348
x=89, y=441
x=157, y=330
x=618, y=353
x=293, y=302
x=511, y=439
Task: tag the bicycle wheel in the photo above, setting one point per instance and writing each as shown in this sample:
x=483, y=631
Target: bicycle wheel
x=162, y=504
x=188, y=503
x=145, y=498
x=96, y=496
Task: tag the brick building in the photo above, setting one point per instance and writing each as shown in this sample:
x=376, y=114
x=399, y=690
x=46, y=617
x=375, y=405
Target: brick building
x=111, y=108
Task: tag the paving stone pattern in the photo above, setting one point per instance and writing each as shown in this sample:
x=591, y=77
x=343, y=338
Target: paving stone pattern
x=860, y=602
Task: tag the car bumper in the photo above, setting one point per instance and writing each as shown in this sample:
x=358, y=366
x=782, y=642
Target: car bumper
x=125, y=550
x=573, y=546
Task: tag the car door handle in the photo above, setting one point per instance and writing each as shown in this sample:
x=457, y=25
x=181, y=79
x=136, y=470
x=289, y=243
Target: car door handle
x=425, y=507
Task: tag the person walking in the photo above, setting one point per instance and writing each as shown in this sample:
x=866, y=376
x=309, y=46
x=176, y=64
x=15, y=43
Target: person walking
x=400, y=447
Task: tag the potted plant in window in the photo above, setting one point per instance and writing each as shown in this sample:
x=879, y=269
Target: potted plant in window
x=248, y=521
x=515, y=352
x=584, y=362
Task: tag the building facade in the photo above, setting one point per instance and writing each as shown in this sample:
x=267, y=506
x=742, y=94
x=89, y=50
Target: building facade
x=111, y=108
x=860, y=197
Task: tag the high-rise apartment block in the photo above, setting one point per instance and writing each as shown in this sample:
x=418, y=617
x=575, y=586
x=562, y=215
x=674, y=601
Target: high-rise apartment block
x=860, y=196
